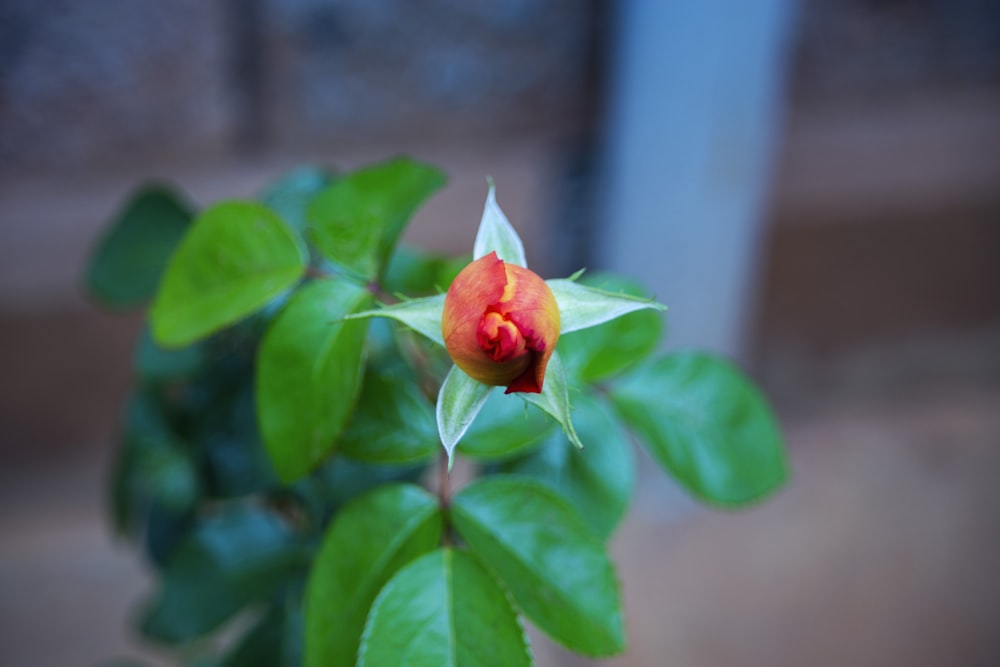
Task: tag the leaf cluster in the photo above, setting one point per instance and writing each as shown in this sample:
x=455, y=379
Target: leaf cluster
x=274, y=455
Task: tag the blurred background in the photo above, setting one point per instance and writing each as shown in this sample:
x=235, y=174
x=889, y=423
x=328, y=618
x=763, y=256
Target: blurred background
x=813, y=187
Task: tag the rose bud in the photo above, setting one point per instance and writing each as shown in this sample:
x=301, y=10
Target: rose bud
x=501, y=324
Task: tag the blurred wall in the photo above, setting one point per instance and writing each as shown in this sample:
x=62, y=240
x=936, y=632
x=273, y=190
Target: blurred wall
x=82, y=83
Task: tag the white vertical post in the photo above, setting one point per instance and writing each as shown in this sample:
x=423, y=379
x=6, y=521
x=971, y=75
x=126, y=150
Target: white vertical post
x=695, y=102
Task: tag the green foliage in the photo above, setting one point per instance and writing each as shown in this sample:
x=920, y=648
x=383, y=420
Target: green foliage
x=127, y=264
x=594, y=354
x=238, y=557
x=524, y=531
x=273, y=456
x=392, y=422
x=597, y=481
x=416, y=273
x=356, y=221
x=367, y=543
x=505, y=427
x=444, y=610
x=309, y=374
x=236, y=257
x=291, y=195
x=707, y=425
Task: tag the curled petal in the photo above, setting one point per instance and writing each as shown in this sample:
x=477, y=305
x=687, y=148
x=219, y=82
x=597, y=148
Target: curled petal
x=501, y=324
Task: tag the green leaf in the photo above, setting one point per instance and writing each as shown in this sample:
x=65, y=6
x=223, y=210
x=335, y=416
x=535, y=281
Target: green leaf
x=165, y=530
x=596, y=481
x=496, y=234
x=341, y=480
x=128, y=261
x=594, y=354
x=144, y=421
x=393, y=422
x=416, y=273
x=236, y=257
x=262, y=646
x=292, y=193
x=459, y=401
x=554, y=398
x=368, y=541
x=232, y=559
x=422, y=315
x=276, y=640
x=553, y=565
x=309, y=374
x=156, y=365
x=153, y=466
x=707, y=425
x=581, y=307
x=236, y=461
x=356, y=221
x=504, y=427
x=444, y=610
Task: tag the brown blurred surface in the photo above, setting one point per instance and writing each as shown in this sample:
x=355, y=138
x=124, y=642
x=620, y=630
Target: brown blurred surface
x=881, y=551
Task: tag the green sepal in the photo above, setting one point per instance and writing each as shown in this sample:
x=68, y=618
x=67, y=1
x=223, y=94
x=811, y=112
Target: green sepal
x=599, y=352
x=459, y=401
x=496, y=234
x=554, y=398
x=423, y=315
x=581, y=307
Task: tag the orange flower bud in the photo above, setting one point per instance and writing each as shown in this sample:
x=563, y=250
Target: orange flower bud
x=501, y=324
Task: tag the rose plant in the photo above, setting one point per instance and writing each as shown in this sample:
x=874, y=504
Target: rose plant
x=299, y=375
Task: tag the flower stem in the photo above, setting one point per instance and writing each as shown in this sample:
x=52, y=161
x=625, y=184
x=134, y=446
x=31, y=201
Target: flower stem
x=444, y=497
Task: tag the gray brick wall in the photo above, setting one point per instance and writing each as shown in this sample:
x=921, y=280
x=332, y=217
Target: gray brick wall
x=87, y=81
x=81, y=82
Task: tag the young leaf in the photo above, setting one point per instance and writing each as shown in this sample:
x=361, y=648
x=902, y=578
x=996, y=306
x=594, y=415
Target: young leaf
x=596, y=481
x=126, y=266
x=422, y=315
x=356, y=221
x=596, y=353
x=707, y=425
x=368, y=541
x=459, y=401
x=504, y=427
x=581, y=306
x=444, y=610
x=554, y=398
x=393, y=422
x=553, y=565
x=309, y=374
x=497, y=234
x=232, y=559
x=236, y=257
